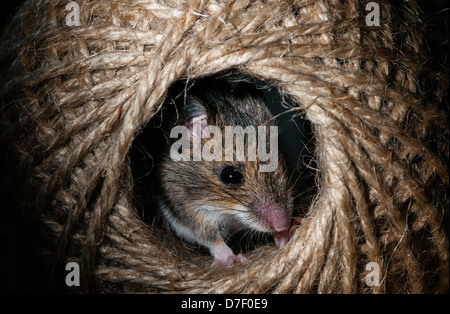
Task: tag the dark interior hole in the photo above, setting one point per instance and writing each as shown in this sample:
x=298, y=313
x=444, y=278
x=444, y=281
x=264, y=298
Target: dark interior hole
x=295, y=141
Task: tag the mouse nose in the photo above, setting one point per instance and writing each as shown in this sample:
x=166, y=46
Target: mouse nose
x=272, y=214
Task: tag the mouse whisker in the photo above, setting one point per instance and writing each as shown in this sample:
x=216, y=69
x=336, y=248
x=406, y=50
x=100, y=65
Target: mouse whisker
x=304, y=192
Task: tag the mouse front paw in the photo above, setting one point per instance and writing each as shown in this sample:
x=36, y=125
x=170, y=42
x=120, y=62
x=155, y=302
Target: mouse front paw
x=230, y=261
x=281, y=238
x=224, y=256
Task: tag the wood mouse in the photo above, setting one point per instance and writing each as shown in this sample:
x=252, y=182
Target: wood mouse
x=205, y=201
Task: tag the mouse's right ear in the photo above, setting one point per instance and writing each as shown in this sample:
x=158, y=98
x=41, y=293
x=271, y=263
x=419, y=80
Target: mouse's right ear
x=196, y=116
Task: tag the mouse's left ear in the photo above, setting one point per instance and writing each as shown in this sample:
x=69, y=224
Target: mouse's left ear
x=196, y=116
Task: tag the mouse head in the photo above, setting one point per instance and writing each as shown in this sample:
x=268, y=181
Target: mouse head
x=222, y=172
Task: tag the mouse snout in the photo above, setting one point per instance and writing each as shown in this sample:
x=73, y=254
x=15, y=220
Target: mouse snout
x=274, y=215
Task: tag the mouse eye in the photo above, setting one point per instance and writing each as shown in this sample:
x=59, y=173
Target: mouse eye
x=231, y=176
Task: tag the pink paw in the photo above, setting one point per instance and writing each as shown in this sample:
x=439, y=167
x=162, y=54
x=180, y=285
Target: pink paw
x=230, y=261
x=224, y=256
x=282, y=237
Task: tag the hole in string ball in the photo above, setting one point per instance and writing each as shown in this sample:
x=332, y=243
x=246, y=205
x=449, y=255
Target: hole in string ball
x=74, y=99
